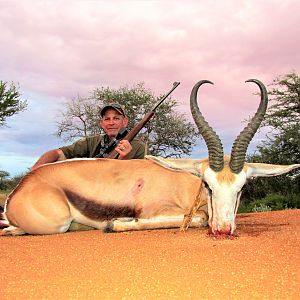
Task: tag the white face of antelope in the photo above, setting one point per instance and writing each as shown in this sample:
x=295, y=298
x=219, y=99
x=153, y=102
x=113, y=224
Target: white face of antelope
x=225, y=191
x=226, y=178
x=226, y=175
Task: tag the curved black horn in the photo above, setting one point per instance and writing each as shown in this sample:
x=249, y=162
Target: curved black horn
x=240, y=145
x=213, y=142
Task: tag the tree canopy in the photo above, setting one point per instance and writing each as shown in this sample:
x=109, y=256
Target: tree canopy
x=168, y=133
x=283, y=118
x=10, y=102
x=282, y=143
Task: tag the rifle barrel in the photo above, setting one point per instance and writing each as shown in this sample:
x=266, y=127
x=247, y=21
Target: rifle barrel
x=175, y=85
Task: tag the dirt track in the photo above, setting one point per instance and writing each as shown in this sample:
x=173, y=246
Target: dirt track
x=262, y=263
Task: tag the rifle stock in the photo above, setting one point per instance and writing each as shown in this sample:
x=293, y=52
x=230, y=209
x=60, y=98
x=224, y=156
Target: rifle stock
x=137, y=128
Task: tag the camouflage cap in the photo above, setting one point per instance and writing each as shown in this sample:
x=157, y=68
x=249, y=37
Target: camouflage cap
x=115, y=106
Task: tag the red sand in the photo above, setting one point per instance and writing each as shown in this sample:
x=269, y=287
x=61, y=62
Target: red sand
x=262, y=263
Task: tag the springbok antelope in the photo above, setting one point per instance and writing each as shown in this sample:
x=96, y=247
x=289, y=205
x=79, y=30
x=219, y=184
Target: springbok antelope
x=153, y=193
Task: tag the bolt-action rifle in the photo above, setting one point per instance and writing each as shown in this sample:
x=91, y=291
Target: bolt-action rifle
x=137, y=128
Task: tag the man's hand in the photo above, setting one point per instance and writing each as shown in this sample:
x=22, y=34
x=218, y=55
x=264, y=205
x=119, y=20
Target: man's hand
x=123, y=148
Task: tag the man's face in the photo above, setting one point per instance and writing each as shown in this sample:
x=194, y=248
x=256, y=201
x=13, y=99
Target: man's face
x=112, y=122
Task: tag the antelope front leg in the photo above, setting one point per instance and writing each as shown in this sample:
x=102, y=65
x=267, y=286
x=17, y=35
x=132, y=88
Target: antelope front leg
x=160, y=222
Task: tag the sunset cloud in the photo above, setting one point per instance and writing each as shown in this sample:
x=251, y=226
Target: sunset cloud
x=56, y=50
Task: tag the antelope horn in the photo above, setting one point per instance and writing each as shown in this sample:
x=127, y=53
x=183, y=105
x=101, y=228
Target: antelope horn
x=240, y=145
x=213, y=142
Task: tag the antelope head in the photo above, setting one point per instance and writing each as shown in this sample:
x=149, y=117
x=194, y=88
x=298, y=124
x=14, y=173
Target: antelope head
x=225, y=176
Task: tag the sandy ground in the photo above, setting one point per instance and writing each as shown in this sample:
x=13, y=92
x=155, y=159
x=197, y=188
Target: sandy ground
x=262, y=263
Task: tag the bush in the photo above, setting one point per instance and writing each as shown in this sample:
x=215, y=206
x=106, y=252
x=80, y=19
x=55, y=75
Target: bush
x=243, y=208
x=271, y=202
x=9, y=184
x=261, y=208
x=275, y=201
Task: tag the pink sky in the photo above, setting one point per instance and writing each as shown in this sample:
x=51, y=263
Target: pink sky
x=56, y=50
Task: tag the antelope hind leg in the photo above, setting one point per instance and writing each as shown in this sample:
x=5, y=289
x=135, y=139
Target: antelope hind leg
x=12, y=230
x=48, y=212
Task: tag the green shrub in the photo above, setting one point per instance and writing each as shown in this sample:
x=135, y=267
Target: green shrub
x=280, y=202
x=244, y=208
x=271, y=202
x=261, y=208
x=275, y=201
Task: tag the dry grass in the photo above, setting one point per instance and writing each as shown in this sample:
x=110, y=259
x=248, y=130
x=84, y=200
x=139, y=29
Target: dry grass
x=2, y=198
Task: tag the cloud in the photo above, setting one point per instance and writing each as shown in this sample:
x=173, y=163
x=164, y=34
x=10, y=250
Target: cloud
x=56, y=50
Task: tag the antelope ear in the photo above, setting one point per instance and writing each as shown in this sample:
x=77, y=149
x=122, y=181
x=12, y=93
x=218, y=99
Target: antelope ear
x=267, y=170
x=192, y=166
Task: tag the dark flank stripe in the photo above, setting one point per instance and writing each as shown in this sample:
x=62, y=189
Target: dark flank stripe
x=98, y=211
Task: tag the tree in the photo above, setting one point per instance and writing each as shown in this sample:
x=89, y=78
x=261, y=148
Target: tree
x=168, y=133
x=10, y=102
x=7, y=183
x=283, y=117
x=3, y=175
x=282, y=144
x=284, y=111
